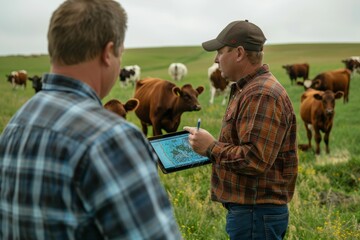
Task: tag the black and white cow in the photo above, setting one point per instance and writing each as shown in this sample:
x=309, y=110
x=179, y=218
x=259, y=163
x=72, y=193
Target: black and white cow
x=218, y=84
x=129, y=74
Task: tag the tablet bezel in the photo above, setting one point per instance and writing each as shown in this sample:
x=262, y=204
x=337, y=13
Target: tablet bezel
x=205, y=160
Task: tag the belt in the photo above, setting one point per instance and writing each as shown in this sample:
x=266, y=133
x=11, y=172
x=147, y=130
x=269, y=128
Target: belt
x=228, y=204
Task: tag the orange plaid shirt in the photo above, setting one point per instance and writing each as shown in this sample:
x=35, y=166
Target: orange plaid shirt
x=255, y=160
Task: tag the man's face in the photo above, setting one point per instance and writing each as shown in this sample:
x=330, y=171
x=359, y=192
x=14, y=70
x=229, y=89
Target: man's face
x=226, y=58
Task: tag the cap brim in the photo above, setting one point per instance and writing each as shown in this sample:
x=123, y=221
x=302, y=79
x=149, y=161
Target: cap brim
x=212, y=45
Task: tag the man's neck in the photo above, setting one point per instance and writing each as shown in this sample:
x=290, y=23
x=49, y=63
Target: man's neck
x=246, y=70
x=87, y=72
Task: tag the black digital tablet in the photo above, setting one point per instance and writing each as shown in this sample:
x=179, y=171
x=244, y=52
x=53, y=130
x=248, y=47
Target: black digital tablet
x=175, y=152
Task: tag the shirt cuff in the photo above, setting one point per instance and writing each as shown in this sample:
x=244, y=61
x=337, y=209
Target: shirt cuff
x=209, y=151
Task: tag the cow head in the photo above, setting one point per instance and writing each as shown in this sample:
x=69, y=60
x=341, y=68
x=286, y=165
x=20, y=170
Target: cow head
x=188, y=97
x=287, y=67
x=121, y=109
x=351, y=64
x=11, y=76
x=328, y=100
x=8, y=77
x=36, y=83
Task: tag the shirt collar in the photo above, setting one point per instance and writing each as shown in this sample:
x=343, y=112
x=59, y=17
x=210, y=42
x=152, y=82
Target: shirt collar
x=61, y=83
x=243, y=81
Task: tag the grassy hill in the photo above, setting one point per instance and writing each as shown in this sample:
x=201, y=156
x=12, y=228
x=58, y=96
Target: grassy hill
x=326, y=204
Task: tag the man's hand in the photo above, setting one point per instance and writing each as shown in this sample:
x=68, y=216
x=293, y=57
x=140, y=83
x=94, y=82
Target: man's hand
x=200, y=139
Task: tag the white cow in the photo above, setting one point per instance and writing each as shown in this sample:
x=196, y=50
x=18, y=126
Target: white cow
x=218, y=84
x=177, y=71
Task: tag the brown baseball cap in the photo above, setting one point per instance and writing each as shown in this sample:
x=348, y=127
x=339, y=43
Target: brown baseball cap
x=238, y=33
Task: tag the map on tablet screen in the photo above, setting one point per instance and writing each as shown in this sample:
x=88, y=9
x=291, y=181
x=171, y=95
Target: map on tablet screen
x=175, y=153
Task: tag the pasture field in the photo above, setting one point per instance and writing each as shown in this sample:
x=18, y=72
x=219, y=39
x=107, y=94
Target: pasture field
x=326, y=204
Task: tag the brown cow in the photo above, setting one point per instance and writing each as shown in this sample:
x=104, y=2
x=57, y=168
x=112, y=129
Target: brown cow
x=336, y=80
x=121, y=109
x=162, y=103
x=218, y=84
x=297, y=71
x=317, y=110
x=17, y=78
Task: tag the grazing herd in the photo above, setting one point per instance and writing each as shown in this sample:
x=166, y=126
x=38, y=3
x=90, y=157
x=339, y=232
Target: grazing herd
x=160, y=103
x=317, y=106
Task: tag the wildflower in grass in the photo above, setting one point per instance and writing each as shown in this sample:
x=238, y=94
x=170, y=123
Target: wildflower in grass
x=310, y=171
x=320, y=229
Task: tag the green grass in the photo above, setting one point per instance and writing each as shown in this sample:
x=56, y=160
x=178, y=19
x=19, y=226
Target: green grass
x=326, y=204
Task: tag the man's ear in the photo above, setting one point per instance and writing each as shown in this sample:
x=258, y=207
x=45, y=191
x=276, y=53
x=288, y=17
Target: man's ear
x=108, y=51
x=240, y=51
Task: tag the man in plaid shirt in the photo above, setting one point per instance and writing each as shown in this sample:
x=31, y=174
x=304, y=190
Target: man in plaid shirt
x=70, y=169
x=254, y=161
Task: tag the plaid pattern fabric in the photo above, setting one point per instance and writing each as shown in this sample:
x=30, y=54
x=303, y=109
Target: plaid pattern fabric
x=255, y=160
x=69, y=169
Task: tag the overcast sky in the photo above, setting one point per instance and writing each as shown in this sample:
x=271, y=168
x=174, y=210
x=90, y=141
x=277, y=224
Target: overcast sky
x=152, y=23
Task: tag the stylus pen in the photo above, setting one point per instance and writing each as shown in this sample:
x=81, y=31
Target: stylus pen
x=198, y=124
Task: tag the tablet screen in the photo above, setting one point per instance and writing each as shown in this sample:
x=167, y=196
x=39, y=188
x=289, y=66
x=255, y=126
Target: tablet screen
x=175, y=152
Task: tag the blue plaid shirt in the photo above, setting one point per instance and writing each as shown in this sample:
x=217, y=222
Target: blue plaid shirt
x=69, y=169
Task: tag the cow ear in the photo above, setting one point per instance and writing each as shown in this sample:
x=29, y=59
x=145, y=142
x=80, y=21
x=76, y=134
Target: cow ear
x=131, y=105
x=317, y=96
x=339, y=94
x=200, y=89
x=307, y=83
x=176, y=91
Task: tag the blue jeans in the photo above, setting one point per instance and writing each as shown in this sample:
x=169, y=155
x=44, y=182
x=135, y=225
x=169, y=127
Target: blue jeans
x=263, y=221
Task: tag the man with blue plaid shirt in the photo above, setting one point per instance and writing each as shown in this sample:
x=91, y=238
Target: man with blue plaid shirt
x=69, y=169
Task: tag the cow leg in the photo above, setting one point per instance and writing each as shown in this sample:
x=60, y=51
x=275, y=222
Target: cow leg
x=309, y=134
x=157, y=129
x=212, y=94
x=317, y=140
x=13, y=84
x=346, y=97
x=144, y=128
x=224, y=100
x=326, y=140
